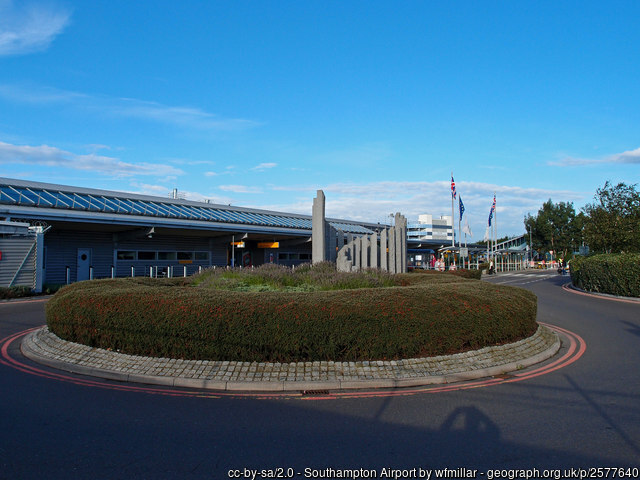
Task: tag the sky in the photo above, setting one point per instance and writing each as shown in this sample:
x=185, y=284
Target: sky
x=262, y=103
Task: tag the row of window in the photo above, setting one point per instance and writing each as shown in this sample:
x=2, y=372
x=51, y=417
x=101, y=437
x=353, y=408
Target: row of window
x=134, y=255
x=294, y=256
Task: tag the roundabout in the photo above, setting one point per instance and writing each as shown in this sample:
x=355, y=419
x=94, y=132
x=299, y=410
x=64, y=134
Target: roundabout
x=504, y=364
x=577, y=408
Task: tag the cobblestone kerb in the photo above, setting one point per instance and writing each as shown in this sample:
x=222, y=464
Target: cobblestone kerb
x=571, y=287
x=44, y=347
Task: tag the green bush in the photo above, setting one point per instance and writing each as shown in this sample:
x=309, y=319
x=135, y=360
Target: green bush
x=15, y=292
x=430, y=315
x=614, y=274
x=460, y=272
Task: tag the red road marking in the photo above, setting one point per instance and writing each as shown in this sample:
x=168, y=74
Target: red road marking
x=567, y=288
x=577, y=347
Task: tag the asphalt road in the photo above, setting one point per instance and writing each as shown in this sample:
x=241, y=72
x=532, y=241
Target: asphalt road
x=585, y=414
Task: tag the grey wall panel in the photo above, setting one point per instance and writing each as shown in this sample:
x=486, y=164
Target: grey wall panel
x=62, y=251
x=14, y=252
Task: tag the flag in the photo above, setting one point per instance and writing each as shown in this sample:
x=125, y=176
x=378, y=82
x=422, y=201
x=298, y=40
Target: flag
x=461, y=207
x=453, y=187
x=493, y=209
x=467, y=229
x=487, y=232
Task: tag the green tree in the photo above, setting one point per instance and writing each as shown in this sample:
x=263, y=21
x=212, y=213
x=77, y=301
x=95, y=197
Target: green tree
x=555, y=228
x=612, y=222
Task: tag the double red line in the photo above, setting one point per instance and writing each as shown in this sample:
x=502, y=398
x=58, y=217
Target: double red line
x=575, y=349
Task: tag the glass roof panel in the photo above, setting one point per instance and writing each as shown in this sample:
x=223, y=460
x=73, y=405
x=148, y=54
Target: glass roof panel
x=97, y=204
x=79, y=201
x=125, y=206
x=7, y=195
x=110, y=204
x=161, y=209
x=65, y=200
x=27, y=197
x=46, y=198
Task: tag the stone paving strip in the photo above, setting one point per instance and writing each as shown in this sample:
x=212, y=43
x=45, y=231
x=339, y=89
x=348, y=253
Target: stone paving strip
x=46, y=348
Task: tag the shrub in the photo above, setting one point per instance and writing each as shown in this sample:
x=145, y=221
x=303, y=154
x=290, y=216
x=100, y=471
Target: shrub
x=460, y=272
x=322, y=276
x=431, y=315
x=15, y=292
x=614, y=274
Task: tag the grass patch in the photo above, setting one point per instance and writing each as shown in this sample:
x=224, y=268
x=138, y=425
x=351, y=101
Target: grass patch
x=304, y=278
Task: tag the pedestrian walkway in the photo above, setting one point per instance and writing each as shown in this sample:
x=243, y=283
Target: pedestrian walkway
x=46, y=348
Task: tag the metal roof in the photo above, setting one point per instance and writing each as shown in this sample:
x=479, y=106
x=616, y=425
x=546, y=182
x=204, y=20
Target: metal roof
x=61, y=198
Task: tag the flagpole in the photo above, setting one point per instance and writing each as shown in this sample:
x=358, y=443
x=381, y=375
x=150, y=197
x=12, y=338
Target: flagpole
x=453, y=229
x=495, y=227
x=459, y=230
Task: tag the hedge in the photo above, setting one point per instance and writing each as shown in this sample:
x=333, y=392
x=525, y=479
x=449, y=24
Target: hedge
x=614, y=274
x=460, y=272
x=432, y=315
x=15, y=292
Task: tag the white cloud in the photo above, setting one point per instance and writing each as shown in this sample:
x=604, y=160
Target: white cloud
x=630, y=157
x=264, y=166
x=55, y=157
x=28, y=27
x=374, y=202
x=189, y=118
x=227, y=171
x=239, y=189
x=181, y=116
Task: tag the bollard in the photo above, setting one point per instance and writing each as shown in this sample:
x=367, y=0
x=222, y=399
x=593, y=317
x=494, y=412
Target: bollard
x=68, y=275
x=113, y=271
x=133, y=271
x=185, y=270
x=90, y=272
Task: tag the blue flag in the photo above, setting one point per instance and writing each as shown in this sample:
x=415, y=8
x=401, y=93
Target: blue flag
x=461, y=206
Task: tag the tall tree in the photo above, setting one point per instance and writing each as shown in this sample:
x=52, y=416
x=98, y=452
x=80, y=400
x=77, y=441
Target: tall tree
x=612, y=222
x=555, y=228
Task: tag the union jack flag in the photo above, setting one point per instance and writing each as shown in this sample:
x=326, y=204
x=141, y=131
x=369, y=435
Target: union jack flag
x=453, y=187
x=493, y=209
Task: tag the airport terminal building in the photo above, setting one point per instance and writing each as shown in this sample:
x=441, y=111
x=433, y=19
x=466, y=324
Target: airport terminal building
x=66, y=234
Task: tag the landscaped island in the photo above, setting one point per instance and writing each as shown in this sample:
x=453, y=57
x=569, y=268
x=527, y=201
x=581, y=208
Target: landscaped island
x=274, y=314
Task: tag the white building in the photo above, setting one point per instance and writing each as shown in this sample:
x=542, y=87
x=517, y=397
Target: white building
x=429, y=228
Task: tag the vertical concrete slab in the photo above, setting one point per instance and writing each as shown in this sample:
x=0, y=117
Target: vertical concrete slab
x=384, y=263
x=398, y=236
x=343, y=261
x=356, y=254
x=403, y=237
x=364, y=250
x=392, y=250
x=373, y=250
x=318, y=229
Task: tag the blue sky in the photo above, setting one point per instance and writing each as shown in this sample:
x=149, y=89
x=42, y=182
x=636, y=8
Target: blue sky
x=262, y=103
